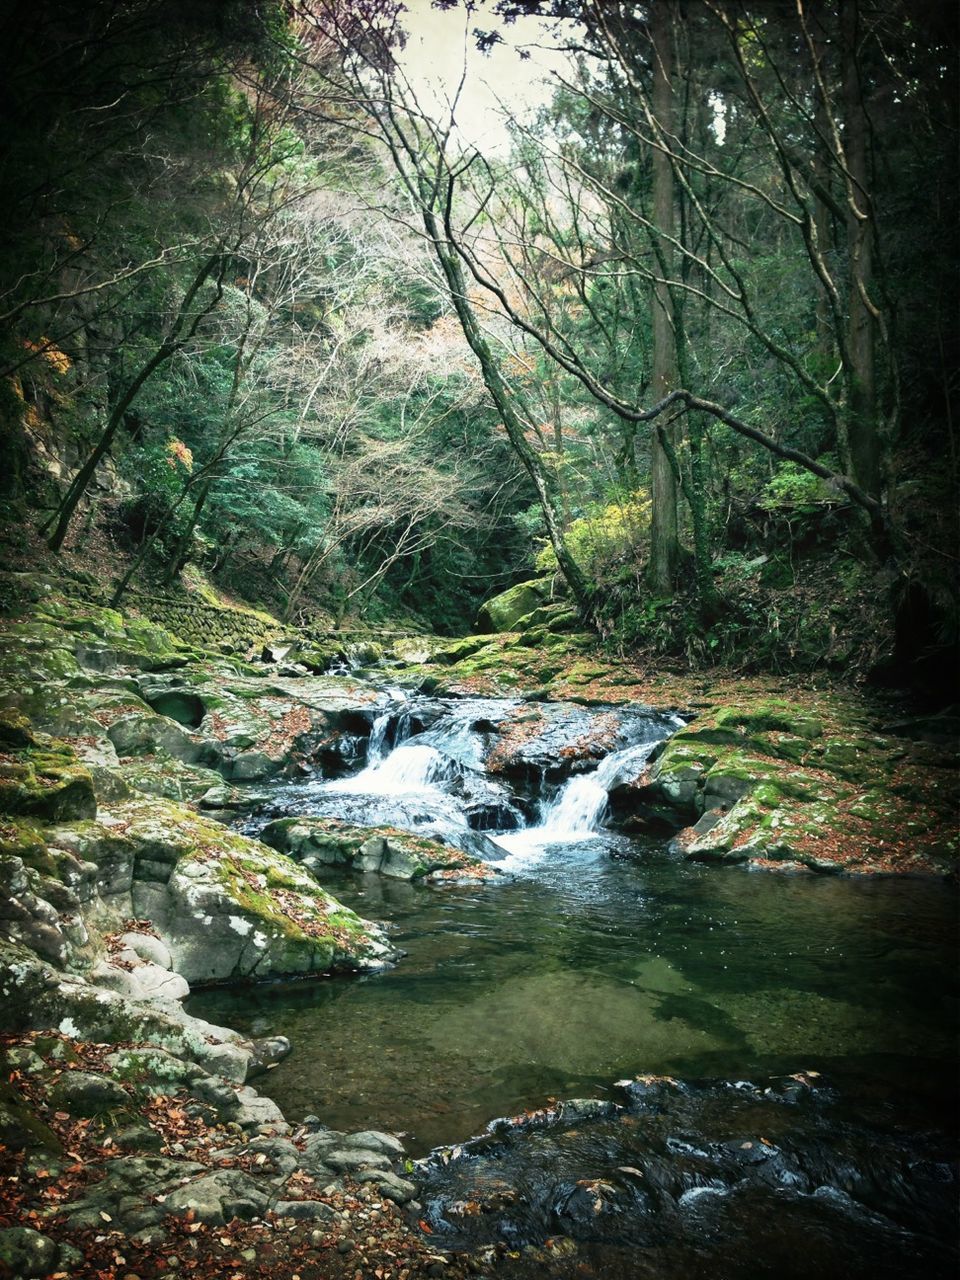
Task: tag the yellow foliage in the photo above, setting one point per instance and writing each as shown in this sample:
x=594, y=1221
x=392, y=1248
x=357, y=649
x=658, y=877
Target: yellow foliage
x=58, y=360
x=604, y=535
x=178, y=454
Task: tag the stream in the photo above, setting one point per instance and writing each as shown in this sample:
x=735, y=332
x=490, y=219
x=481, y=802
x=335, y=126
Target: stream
x=804, y=1023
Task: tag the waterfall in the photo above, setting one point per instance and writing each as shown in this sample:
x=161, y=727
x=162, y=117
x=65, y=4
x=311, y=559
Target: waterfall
x=408, y=768
x=378, y=737
x=580, y=806
x=377, y=748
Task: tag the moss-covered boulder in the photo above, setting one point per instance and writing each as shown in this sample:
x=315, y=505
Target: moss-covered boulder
x=503, y=611
x=771, y=782
x=325, y=842
x=46, y=782
x=226, y=906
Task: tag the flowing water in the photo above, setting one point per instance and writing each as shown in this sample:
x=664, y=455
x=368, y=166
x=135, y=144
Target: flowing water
x=595, y=958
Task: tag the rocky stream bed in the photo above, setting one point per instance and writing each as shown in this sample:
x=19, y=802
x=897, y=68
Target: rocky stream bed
x=174, y=819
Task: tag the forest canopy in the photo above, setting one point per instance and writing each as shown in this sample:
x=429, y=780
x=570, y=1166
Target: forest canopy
x=686, y=348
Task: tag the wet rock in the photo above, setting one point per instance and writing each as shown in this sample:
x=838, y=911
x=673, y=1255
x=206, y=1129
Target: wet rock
x=556, y=739
x=259, y=1113
x=266, y=1053
x=251, y=766
x=349, y=1160
x=384, y=851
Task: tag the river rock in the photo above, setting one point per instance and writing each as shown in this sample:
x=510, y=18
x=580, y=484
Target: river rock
x=375, y=1140
x=85, y=1094
x=348, y=1160
x=225, y=905
x=502, y=612
x=27, y=1253
x=385, y=851
x=304, y=1210
x=218, y=1197
x=553, y=740
x=388, y=1185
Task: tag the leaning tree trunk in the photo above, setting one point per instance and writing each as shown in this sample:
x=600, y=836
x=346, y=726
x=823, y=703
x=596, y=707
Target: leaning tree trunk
x=172, y=343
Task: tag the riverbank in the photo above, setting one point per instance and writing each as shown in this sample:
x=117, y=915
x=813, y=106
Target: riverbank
x=126, y=749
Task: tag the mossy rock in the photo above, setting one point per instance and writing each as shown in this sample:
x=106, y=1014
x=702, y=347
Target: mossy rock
x=47, y=783
x=20, y=1126
x=27, y=842
x=558, y=618
x=386, y=851
x=15, y=730
x=771, y=714
x=502, y=612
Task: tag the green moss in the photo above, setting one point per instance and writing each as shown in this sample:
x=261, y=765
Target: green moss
x=502, y=612
x=26, y=842
x=46, y=782
x=15, y=729
x=772, y=714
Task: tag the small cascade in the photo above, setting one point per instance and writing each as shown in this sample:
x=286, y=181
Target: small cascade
x=408, y=768
x=381, y=739
x=581, y=805
x=578, y=809
x=376, y=746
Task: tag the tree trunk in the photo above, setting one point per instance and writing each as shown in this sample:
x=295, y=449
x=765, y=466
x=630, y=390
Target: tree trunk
x=512, y=421
x=862, y=437
x=170, y=344
x=664, y=543
x=182, y=550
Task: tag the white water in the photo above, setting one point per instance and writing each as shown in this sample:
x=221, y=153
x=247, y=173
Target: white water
x=378, y=736
x=577, y=811
x=426, y=782
x=411, y=767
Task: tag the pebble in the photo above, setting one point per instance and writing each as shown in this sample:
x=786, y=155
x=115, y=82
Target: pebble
x=344, y=1246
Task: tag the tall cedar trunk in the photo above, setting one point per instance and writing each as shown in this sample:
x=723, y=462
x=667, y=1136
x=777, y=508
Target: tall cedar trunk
x=664, y=545
x=863, y=441
x=822, y=219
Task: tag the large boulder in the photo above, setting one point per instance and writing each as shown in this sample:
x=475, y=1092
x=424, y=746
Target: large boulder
x=224, y=905
x=502, y=612
x=46, y=782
